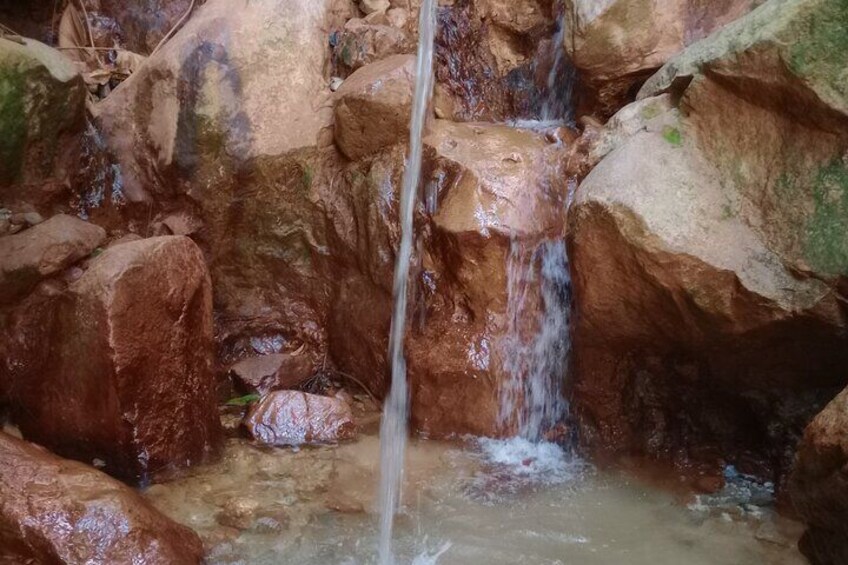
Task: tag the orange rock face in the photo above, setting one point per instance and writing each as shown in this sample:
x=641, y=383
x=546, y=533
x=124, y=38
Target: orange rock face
x=289, y=417
x=127, y=378
x=58, y=511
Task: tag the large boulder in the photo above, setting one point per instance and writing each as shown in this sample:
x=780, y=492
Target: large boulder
x=42, y=251
x=127, y=379
x=57, y=511
x=494, y=198
x=42, y=103
x=819, y=484
x=374, y=106
x=617, y=44
x=709, y=247
x=240, y=145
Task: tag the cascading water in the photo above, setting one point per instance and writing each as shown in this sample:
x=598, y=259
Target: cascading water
x=536, y=356
x=393, y=430
x=537, y=348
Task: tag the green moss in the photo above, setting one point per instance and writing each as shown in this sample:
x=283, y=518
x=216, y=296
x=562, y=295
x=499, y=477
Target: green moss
x=826, y=246
x=308, y=176
x=672, y=135
x=819, y=51
x=13, y=123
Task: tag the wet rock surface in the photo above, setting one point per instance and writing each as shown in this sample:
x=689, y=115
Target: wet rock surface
x=58, y=511
x=33, y=254
x=127, y=376
x=274, y=371
x=295, y=418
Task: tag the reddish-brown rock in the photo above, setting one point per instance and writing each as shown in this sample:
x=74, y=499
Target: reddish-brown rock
x=43, y=250
x=374, y=106
x=128, y=378
x=290, y=417
x=617, y=44
x=274, y=371
x=819, y=484
x=57, y=511
x=486, y=184
x=360, y=43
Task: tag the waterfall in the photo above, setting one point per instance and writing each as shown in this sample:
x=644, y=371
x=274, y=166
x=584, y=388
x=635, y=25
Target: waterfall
x=536, y=347
x=557, y=104
x=393, y=430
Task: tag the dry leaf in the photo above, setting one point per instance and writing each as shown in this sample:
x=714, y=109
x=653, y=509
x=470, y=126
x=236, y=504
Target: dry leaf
x=73, y=36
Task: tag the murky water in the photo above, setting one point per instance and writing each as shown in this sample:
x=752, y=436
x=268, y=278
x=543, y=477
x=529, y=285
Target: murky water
x=490, y=502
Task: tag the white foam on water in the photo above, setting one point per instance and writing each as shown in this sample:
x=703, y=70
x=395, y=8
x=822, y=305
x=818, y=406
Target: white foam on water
x=543, y=462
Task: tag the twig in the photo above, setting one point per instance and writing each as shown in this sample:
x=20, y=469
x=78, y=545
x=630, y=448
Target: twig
x=362, y=386
x=173, y=29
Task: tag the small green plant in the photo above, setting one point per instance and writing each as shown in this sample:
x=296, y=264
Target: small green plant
x=672, y=135
x=243, y=400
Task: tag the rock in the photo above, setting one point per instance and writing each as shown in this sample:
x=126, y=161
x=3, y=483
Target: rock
x=485, y=185
x=128, y=378
x=42, y=104
x=58, y=511
x=374, y=106
x=143, y=24
x=617, y=44
x=398, y=17
x=244, y=110
x=43, y=250
x=819, y=486
x=26, y=218
x=276, y=371
x=371, y=6
x=289, y=417
x=361, y=43
x=720, y=317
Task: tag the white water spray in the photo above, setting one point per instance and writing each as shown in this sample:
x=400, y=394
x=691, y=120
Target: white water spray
x=393, y=428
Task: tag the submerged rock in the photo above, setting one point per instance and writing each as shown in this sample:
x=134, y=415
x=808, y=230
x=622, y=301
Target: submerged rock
x=57, y=511
x=275, y=371
x=374, y=106
x=43, y=250
x=617, y=44
x=128, y=379
x=295, y=418
x=42, y=103
x=819, y=484
x=709, y=251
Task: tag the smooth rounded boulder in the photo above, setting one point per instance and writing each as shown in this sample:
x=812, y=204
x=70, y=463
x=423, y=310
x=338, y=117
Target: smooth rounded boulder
x=293, y=418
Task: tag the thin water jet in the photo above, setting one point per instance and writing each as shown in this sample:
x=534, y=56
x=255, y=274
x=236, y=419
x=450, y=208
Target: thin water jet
x=393, y=429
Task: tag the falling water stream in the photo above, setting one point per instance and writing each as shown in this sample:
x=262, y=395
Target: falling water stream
x=393, y=428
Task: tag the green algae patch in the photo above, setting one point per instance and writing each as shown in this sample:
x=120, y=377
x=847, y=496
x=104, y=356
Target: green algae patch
x=818, y=55
x=13, y=123
x=826, y=247
x=672, y=135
